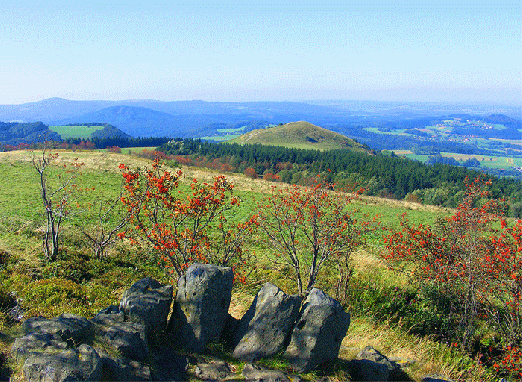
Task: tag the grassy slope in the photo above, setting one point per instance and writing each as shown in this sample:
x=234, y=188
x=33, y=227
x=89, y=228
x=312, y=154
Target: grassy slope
x=82, y=132
x=300, y=135
x=27, y=274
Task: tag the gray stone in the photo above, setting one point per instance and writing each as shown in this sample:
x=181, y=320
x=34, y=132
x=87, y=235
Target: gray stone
x=201, y=306
x=83, y=364
x=148, y=302
x=109, y=316
x=436, y=378
x=127, y=339
x=214, y=371
x=265, y=327
x=371, y=365
x=71, y=328
x=366, y=370
x=317, y=335
x=34, y=343
x=123, y=369
x=257, y=373
x=168, y=365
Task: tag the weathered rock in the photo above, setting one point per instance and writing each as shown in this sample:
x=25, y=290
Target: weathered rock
x=201, y=305
x=371, y=365
x=123, y=369
x=33, y=343
x=148, y=302
x=168, y=365
x=214, y=371
x=127, y=339
x=83, y=364
x=71, y=328
x=257, y=373
x=317, y=335
x=109, y=316
x=265, y=327
x=436, y=378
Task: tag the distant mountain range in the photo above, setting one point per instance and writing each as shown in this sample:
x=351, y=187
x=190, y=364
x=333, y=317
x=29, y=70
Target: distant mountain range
x=149, y=118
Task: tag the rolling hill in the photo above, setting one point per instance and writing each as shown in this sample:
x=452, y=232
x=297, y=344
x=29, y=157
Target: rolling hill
x=300, y=135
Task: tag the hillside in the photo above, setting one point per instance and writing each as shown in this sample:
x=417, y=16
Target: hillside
x=79, y=282
x=14, y=133
x=300, y=135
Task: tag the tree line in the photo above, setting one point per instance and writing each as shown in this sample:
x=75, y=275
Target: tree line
x=380, y=175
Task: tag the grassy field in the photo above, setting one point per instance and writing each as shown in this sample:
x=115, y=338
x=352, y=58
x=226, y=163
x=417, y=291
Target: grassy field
x=79, y=283
x=82, y=132
x=488, y=161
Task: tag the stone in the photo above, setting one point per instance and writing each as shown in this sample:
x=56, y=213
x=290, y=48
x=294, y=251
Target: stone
x=168, y=365
x=123, y=369
x=33, y=343
x=436, y=378
x=82, y=364
x=109, y=316
x=201, y=306
x=127, y=339
x=71, y=328
x=253, y=372
x=214, y=371
x=317, y=335
x=148, y=302
x=366, y=370
x=264, y=329
x=371, y=365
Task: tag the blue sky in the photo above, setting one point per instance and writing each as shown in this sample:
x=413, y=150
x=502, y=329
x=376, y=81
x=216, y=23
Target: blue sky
x=260, y=51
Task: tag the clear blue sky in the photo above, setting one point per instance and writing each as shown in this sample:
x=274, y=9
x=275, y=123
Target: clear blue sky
x=258, y=51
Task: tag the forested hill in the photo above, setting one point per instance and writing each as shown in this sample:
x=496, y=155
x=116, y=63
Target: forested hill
x=14, y=133
x=380, y=175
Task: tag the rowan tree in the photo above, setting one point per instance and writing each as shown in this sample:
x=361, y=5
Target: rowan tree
x=110, y=217
x=453, y=255
x=57, y=186
x=309, y=228
x=178, y=225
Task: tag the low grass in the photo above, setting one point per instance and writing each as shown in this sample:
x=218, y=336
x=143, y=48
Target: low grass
x=79, y=283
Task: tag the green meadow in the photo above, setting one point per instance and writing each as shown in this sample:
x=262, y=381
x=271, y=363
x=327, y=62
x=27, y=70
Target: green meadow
x=81, y=132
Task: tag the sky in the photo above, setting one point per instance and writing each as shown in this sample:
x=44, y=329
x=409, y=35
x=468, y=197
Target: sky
x=467, y=52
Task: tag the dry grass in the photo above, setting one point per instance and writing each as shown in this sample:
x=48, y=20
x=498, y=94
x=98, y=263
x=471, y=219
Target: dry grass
x=422, y=355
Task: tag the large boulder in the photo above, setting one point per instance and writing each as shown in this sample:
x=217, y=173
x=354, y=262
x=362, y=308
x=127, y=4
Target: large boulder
x=256, y=373
x=265, y=327
x=371, y=365
x=148, y=302
x=201, y=306
x=34, y=343
x=127, y=339
x=71, y=328
x=317, y=335
x=82, y=364
x=117, y=368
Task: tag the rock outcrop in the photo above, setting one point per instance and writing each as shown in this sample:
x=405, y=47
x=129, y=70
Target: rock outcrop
x=115, y=344
x=265, y=327
x=317, y=335
x=201, y=306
